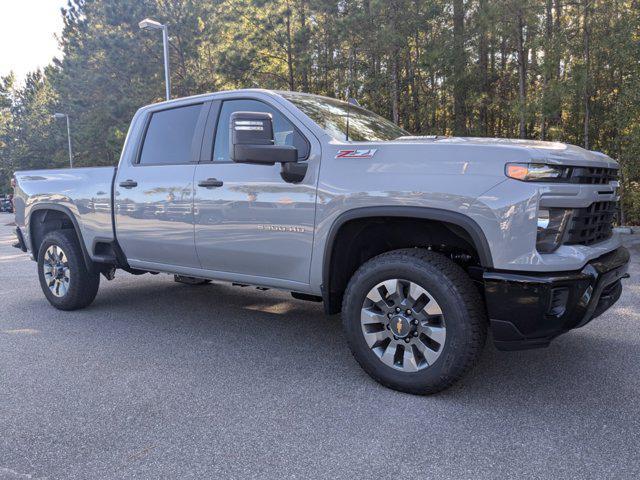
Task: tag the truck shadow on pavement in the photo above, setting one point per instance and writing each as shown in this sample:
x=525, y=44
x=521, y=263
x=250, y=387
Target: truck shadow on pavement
x=273, y=335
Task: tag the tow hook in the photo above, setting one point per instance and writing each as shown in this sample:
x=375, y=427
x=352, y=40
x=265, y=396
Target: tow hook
x=109, y=273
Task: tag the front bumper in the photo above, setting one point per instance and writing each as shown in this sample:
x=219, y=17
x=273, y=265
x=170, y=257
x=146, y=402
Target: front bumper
x=528, y=310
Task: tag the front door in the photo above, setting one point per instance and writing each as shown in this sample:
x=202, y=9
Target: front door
x=249, y=221
x=154, y=191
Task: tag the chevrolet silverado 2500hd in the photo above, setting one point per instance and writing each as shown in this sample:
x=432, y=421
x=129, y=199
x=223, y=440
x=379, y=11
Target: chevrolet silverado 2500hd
x=423, y=243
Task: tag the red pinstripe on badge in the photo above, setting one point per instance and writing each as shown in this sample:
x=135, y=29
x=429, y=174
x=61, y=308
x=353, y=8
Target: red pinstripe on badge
x=366, y=153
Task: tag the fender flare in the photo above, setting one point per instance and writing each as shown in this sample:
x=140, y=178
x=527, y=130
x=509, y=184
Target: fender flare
x=67, y=211
x=424, y=213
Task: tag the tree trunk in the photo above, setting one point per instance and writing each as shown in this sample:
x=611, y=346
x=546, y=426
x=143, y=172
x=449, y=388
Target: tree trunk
x=292, y=84
x=491, y=93
x=459, y=68
x=303, y=47
x=502, y=93
x=557, y=28
x=483, y=54
x=549, y=47
x=522, y=74
x=414, y=72
x=557, y=38
x=395, y=90
x=395, y=64
x=586, y=30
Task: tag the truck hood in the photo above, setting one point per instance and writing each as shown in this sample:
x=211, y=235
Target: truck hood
x=547, y=152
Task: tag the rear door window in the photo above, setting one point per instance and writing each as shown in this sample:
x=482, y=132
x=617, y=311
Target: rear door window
x=169, y=136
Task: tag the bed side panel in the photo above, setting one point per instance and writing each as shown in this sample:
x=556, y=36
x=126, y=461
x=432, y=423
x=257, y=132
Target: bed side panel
x=85, y=193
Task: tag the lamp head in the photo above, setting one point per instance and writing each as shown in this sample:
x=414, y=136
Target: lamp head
x=59, y=115
x=149, y=24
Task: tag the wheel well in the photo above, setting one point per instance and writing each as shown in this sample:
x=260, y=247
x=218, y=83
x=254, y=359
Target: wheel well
x=45, y=221
x=361, y=239
x=48, y=220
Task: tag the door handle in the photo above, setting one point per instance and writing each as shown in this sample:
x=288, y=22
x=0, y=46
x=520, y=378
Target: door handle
x=210, y=183
x=129, y=184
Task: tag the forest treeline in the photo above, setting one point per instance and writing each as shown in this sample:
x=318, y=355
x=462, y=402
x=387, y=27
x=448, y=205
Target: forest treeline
x=545, y=69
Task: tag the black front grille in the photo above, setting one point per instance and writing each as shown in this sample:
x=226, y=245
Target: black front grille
x=592, y=224
x=593, y=176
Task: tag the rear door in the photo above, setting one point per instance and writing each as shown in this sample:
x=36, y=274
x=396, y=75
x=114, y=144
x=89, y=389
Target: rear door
x=252, y=222
x=154, y=190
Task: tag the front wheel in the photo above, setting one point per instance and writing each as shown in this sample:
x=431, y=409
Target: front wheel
x=64, y=277
x=414, y=320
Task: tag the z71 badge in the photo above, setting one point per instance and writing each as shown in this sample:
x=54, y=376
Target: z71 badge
x=367, y=153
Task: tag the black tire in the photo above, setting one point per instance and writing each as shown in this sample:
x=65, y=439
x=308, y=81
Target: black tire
x=83, y=283
x=461, y=305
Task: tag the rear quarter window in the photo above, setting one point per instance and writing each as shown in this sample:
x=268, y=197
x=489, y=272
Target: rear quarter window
x=169, y=136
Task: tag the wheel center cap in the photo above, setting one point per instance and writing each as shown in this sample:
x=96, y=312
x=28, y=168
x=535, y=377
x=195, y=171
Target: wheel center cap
x=400, y=326
x=58, y=271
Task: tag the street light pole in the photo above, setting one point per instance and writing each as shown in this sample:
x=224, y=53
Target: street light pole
x=69, y=142
x=149, y=24
x=167, y=74
x=64, y=115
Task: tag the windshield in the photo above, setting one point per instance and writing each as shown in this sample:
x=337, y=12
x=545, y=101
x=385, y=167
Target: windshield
x=331, y=115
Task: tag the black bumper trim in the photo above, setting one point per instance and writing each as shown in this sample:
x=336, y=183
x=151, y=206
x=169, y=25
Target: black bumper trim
x=528, y=310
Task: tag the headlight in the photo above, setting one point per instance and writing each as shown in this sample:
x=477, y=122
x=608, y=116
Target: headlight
x=537, y=172
x=552, y=224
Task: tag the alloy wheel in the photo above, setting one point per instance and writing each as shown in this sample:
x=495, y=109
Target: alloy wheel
x=403, y=325
x=56, y=271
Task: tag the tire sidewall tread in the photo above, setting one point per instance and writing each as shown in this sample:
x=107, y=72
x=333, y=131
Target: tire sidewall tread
x=84, y=283
x=463, y=308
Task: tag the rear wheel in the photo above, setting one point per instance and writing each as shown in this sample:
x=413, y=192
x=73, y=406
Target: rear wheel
x=414, y=320
x=64, y=277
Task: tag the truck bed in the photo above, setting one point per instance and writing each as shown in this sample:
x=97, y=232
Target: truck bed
x=85, y=194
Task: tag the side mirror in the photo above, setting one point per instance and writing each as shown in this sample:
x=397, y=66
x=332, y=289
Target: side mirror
x=252, y=141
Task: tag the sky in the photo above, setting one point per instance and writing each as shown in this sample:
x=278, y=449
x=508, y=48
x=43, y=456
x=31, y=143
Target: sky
x=27, y=34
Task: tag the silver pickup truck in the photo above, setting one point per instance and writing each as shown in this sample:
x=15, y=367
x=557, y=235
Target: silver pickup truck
x=423, y=243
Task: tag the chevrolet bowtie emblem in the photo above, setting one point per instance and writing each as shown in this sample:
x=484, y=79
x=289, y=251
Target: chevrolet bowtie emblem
x=399, y=326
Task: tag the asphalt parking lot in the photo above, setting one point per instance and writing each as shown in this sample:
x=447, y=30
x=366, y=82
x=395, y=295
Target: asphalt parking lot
x=162, y=380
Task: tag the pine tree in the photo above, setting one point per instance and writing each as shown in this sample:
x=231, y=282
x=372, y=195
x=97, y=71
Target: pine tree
x=550, y=69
